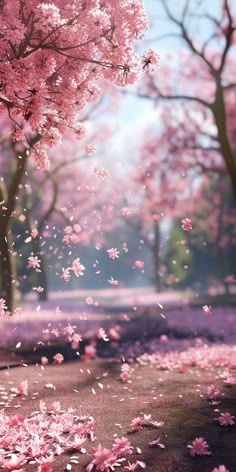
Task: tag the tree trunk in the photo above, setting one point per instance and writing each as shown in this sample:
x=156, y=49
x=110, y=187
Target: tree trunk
x=8, y=268
x=156, y=254
x=227, y=148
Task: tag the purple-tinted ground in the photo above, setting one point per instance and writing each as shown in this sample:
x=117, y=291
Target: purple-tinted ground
x=133, y=322
x=177, y=364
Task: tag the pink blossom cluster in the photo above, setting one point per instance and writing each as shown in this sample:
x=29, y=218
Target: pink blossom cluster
x=34, y=263
x=76, y=267
x=54, y=54
x=45, y=433
x=199, y=447
x=201, y=356
x=71, y=234
x=126, y=371
x=186, y=224
x=113, y=253
x=106, y=460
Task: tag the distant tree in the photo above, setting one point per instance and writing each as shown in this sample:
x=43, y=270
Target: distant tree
x=202, y=82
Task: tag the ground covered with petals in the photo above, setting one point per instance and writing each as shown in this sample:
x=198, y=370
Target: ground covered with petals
x=163, y=417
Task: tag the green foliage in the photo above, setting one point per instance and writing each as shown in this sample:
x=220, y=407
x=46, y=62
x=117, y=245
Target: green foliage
x=178, y=259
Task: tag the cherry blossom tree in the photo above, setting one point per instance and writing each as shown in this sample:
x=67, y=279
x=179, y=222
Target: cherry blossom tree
x=162, y=187
x=202, y=81
x=53, y=57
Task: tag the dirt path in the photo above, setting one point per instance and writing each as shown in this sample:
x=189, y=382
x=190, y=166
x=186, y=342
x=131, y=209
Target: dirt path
x=94, y=388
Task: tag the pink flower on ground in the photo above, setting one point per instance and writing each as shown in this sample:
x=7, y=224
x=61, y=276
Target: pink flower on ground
x=207, y=309
x=133, y=466
x=46, y=467
x=22, y=388
x=151, y=60
x=156, y=442
x=44, y=360
x=58, y=358
x=213, y=392
x=14, y=463
x=89, y=352
x=104, y=459
x=113, y=253
x=226, y=419
x=186, y=224
x=122, y=447
x=139, y=421
x=125, y=372
x=221, y=468
x=199, y=447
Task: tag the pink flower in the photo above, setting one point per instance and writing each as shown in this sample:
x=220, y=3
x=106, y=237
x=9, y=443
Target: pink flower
x=131, y=466
x=104, y=459
x=207, y=309
x=22, y=218
x=66, y=275
x=122, y=447
x=125, y=211
x=125, y=372
x=38, y=289
x=45, y=467
x=34, y=233
x=77, y=267
x=89, y=352
x=221, y=468
x=186, y=224
x=44, y=360
x=3, y=307
x=22, y=388
x=199, y=447
x=101, y=172
x=58, y=358
x=156, y=442
x=139, y=421
x=213, y=392
x=113, y=253
x=113, y=281
x=226, y=419
x=139, y=264
x=34, y=263
x=14, y=463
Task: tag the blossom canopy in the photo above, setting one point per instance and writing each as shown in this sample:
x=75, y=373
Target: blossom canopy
x=52, y=56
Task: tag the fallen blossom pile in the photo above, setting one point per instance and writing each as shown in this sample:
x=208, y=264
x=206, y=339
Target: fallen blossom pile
x=38, y=438
x=202, y=356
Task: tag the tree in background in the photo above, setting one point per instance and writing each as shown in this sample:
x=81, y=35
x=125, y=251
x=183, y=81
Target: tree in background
x=162, y=186
x=203, y=81
x=52, y=59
